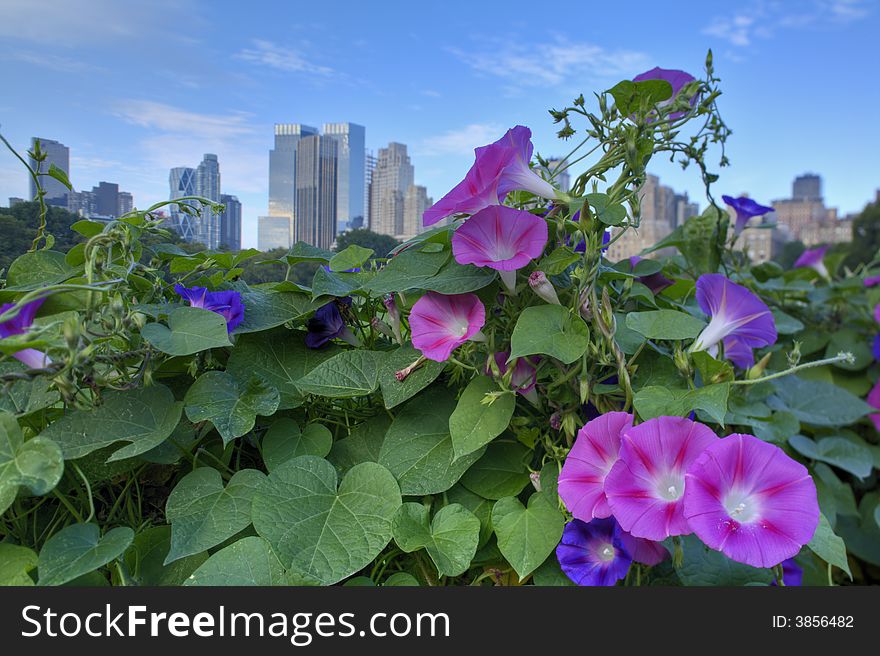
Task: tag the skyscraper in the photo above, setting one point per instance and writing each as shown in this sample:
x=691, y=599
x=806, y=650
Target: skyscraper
x=350, y=172
x=126, y=203
x=392, y=176
x=182, y=181
x=230, y=223
x=59, y=155
x=208, y=186
x=274, y=232
x=370, y=167
x=282, y=168
x=106, y=199
x=807, y=187
x=314, y=219
x=415, y=202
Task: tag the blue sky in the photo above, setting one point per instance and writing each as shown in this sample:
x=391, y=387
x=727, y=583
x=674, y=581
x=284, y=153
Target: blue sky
x=136, y=88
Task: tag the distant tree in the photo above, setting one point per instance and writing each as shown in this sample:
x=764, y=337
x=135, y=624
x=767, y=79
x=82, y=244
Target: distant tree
x=790, y=252
x=18, y=225
x=866, y=236
x=381, y=244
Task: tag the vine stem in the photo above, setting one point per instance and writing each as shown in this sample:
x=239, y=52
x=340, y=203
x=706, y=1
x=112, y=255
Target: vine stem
x=840, y=357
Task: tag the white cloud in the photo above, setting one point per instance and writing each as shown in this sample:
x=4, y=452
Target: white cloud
x=159, y=116
x=52, y=62
x=550, y=63
x=267, y=53
x=461, y=141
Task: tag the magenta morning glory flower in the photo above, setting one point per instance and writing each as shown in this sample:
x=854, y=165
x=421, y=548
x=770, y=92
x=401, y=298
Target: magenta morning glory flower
x=227, y=303
x=500, y=238
x=524, y=376
x=746, y=209
x=872, y=281
x=656, y=282
x=646, y=552
x=19, y=325
x=499, y=168
x=745, y=498
x=814, y=259
x=595, y=450
x=645, y=487
x=442, y=323
x=873, y=400
x=327, y=323
x=739, y=319
x=593, y=553
x=677, y=79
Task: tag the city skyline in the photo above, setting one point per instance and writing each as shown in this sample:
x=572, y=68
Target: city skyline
x=131, y=113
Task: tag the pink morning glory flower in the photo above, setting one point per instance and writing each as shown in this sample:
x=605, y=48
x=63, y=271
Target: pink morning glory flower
x=593, y=553
x=595, y=450
x=524, y=376
x=873, y=400
x=500, y=238
x=441, y=323
x=745, y=498
x=645, y=487
x=19, y=325
x=226, y=303
x=814, y=259
x=656, y=282
x=739, y=319
x=499, y=168
x=677, y=79
x=646, y=552
x=746, y=209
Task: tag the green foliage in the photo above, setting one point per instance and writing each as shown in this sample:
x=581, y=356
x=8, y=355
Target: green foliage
x=381, y=245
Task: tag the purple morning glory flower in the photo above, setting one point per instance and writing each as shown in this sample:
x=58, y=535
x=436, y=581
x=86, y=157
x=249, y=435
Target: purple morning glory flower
x=877, y=347
x=739, y=319
x=745, y=209
x=226, y=303
x=593, y=554
x=656, y=282
x=499, y=168
x=872, y=281
x=792, y=573
x=814, y=259
x=677, y=79
x=327, y=323
x=581, y=246
x=19, y=325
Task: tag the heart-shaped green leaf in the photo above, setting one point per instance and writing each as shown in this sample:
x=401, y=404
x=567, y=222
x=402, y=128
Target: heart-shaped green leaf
x=16, y=563
x=189, y=331
x=145, y=416
x=527, y=535
x=35, y=465
x=231, y=406
x=500, y=472
x=284, y=441
x=450, y=538
x=418, y=448
x=79, y=549
x=318, y=530
x=248, y=561
x=395, y=392
x=346, y=375
x=350, y=258
x=474, y=423
x=549, y=330
x=665, y=324
x=836, y=450
x=829, y=546
x=203, y=513
x=145, y=559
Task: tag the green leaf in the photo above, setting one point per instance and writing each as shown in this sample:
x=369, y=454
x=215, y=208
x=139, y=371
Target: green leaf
x=785, y=323
x=607, y=212
x=631, y=97
x=455, y=278
x=664, y=324
x=558, y=261
x=60, y=175
x=549, y=330
x=550, y=574
x=303, y=252
x=401, y=579
x=16, y=563
x=35, y=465
x=703, y=566
x=265, y=309
x=248, y=562
x=345, y=375
x=203, y=513
x=480, y=507
x=817, y=403
x=408, y=270
x=322, y=532
x=38, y=269
x=189, y=331
x=146, y=555
x=712, y=370
x=350, y=258
x=656, y=401
x=829, y=547
x=284, y=441
x=418, y=449
x=363, y=444
x=836, y=450
x=79, y=549
x=281, y=358
x=474, y=423
x=328, y=283
x=395, y=392
x=232, y=407
x=25, y=396
x=144, y=416
x=628, y=340
x=450, y=538
x=501, y=472
x=527, y=535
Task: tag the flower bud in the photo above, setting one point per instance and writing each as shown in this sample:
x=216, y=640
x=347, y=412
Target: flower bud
x=556, y=421
x=757, y=370
x=543, y=287
x=584, y=387
x=681, y=362
x=381, y=327
x=584, y=308
x=535, y=478
x=393, y=317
